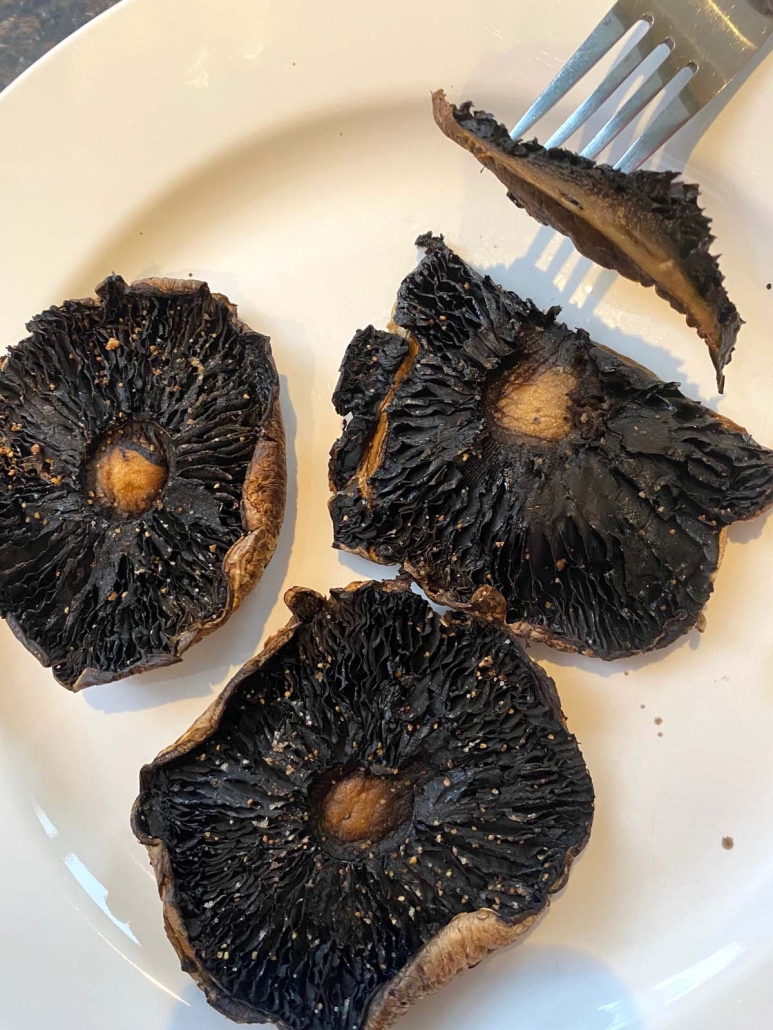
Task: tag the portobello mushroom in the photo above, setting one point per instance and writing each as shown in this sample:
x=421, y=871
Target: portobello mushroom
x=506, y=451
x=646, y=225
x=372, y=804
x=142, y=476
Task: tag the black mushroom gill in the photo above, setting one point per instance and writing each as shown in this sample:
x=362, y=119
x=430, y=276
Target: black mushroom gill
x=142, y=476
x=646, y=225
x=375, y=802
x=489, y=446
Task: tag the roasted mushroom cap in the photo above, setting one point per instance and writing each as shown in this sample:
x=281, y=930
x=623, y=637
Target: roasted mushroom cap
x=142, y=476
x=646, y=225
x=373, y=803
x=507, y=451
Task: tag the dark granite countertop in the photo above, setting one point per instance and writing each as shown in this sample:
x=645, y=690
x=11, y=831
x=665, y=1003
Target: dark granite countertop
x=28, y=28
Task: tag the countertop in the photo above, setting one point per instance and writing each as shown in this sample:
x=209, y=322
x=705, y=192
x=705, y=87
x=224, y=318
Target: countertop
x=28, y=28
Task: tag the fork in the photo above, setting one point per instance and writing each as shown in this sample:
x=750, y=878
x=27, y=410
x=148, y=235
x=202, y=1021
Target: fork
x=706, y=42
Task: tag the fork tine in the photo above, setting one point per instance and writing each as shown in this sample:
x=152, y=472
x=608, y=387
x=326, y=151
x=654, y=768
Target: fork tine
x=680, y=110
x=647, y=92
x=609, y=30
x=616, y=77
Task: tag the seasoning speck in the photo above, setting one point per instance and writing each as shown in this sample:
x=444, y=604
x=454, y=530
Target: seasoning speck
x=658, y=721
x=727, y=842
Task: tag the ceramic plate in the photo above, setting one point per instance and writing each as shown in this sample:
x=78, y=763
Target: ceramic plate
x=286, y=154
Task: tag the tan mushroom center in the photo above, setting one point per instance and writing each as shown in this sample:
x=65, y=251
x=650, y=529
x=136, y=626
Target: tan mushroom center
x=129, y=481
x=127, y=471
x=538, y=406
x=365, y=808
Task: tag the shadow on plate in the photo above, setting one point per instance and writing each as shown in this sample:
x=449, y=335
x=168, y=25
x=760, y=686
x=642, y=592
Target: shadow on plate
x=226, y=650
x=542, y=988
x=746, y=532
x=539, y=270
x=361, y=569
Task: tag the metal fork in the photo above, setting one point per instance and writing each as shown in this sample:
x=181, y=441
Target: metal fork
x=706, y=41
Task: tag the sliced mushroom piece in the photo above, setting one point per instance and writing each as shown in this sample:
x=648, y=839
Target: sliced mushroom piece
x=507, y=452
x=646, y=225
x=142, y=476
x=373, y=803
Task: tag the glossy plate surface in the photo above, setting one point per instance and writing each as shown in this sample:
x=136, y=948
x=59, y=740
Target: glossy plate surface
x=285, y=152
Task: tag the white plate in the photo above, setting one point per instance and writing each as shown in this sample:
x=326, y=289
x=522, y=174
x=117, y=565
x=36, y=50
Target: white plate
x=285, y=152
